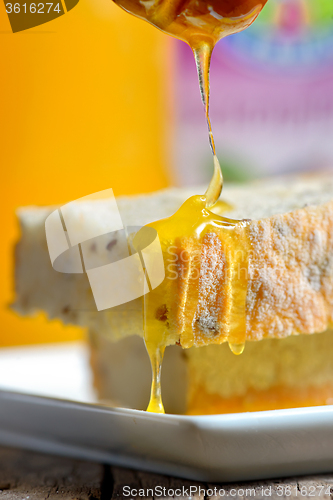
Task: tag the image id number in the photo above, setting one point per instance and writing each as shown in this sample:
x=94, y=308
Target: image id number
x=33, y=8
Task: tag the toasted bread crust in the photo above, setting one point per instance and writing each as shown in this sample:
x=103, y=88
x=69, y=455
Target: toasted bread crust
x=276, y=398
x=285, y=263
x=290, y=286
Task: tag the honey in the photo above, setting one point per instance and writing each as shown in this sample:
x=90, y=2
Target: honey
x=201, y=24
x=196, y=21
x=171, y=310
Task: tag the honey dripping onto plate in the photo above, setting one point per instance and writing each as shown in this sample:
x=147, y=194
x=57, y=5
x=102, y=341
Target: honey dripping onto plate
x=200, y=23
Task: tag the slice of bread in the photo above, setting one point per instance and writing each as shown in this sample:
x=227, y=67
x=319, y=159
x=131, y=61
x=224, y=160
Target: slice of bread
x=290, y=262
x=273, y=373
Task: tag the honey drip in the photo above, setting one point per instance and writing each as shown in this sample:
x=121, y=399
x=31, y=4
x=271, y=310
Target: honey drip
x=200, y=23
x=169, y=314
x=156, y=352
x=237, y=348
x=202, y=55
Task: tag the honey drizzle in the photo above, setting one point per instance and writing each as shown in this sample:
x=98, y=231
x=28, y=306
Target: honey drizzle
x=163, y=327
x=156, y=353
x=201, y=24
x=154, y=346
x=202, y=55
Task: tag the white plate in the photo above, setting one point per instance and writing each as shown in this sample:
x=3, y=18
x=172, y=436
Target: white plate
x=209, y=448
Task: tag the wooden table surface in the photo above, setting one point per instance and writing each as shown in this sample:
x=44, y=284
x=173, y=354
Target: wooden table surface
x=27, y=475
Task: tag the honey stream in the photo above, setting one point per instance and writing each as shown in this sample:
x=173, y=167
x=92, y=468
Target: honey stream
x=200, y=23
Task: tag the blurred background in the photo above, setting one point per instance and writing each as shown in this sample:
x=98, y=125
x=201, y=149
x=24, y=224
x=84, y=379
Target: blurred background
x=271, y=97
x=98, y=99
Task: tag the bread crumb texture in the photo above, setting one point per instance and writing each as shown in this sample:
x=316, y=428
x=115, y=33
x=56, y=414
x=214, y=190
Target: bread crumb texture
x=290, y=287
x=295, y=363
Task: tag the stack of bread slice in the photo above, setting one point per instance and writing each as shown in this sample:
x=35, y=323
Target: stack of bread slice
x=289, y=303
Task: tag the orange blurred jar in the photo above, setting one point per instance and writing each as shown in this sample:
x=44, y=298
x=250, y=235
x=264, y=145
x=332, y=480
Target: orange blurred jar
x=85, y=106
